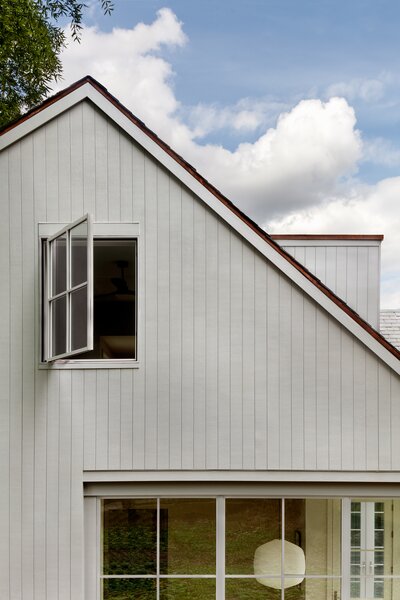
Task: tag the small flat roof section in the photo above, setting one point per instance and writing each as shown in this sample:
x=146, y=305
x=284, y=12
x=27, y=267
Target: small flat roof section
x=390, y=326
x=327, y=236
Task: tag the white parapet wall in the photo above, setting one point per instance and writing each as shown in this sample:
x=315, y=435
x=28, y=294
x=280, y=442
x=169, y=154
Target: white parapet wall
x=348, y=264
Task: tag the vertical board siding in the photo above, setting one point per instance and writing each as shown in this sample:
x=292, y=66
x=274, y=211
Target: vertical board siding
x=239, y=369
x=352, y=272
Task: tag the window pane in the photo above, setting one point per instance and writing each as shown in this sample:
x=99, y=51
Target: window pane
x=129, y=589
x=58, y=326
x=313, y=529
x=79, y=254
x=250, y=525
x=187, y=536
x=129, y=537
x=315, y=589
x=79, y=319
x=187, y=589
x=58, y=252
x=250, y=589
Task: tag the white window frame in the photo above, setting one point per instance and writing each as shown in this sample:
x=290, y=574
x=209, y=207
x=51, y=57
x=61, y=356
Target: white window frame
x=109, y=230
x=93, y=541
x=67, y=294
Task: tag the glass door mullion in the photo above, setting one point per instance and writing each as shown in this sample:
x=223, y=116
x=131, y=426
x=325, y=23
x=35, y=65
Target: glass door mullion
x=220, y=546
x=158, y=549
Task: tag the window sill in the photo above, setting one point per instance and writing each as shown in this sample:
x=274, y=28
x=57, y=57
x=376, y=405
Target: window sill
x=126, y=363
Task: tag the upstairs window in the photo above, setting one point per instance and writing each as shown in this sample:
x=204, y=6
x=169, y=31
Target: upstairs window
x=89, y=290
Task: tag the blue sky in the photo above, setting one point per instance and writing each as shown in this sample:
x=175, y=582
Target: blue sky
x=291, y=108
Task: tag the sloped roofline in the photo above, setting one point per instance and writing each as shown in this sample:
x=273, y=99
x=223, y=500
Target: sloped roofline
x=89, y=88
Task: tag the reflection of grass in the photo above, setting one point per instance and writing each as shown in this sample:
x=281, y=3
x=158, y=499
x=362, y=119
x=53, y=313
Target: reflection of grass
x=189, y=548
x=129, y=551
x=127, y=589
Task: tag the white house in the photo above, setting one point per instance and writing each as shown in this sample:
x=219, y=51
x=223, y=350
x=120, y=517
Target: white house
x=189, y=408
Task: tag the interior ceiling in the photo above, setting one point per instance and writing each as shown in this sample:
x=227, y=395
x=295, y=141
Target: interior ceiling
x=106, y=253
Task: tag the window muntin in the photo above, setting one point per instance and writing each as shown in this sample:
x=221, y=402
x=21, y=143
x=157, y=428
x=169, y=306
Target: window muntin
x=69, y=291
x=184, y=541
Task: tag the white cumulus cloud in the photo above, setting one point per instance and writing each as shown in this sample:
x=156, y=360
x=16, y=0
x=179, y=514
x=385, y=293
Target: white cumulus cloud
x=297, y=176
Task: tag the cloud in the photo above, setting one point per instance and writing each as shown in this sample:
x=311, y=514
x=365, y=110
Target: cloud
x=368, y=90
x=299, y=175
x=381, y=152
x=365, y=209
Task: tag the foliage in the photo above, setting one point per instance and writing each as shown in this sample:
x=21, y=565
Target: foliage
x=30, y=43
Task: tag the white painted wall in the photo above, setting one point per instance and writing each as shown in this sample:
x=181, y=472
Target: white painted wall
x=239, y=369
x=350, y=268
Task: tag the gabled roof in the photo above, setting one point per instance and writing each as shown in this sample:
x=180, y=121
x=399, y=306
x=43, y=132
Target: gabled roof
x=89, y=88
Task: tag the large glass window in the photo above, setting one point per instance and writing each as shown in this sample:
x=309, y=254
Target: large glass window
x=250, y=549
x=178, y=549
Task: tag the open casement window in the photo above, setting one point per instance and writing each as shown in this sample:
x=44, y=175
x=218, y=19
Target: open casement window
x=69, y=285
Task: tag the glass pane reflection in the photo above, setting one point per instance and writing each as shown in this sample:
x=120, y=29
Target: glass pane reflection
x=187, y=536
x=129, y=537
x=250, y=589
x=58, y=252
x=314, y=525
x=59, y=326
x=185, y=589
x=129, y=589
x=79, y=318
x=250, y=523
x=79, y=254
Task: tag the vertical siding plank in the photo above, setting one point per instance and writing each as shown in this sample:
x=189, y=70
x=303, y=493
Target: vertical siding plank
x=331, y=267
x=374, y=265
x=297, y=379
x=310, y=399
x=372, y=413
x=224, y=347
x=76, y=491
x=320, y=262
x=362, y=282
x=347, y=380
x=359, y=408
x=64, y=486
x=151, y=296
x=395, y=420
x=236, y=342
x=64, y=167
x=5, y=400
x=199, y=310
x=260, y=372
x=341, y=272
x=163, y=325
x=273, y=424
x=384, y=418
x=126, y=419
x=352, y=279
x=126, y=178
x=113, y=173
x=101, y=171
x=285, y=374
x=16, y=354
x=29, y=242
x=89, y=160
x=335, y=402
x=52, y=174
x=211, y=341
x=139, y=375
x=114, y=419
x=249, y=358
x=175, y=319
x=322, y=374
x=77, y=158
x=52, y=484
x=90, y=419
x=102, y=424
x=187, y=330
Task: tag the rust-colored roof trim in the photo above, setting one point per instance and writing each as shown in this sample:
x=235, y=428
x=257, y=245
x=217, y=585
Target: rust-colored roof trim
x=327, y=236
x=241, y=215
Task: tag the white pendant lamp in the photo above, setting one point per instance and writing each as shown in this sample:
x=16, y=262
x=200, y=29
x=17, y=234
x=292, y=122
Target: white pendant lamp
x=268, y=559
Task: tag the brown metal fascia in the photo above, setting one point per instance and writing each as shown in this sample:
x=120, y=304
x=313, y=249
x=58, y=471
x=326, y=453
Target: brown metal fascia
x=327, y=236
x=213, y=190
